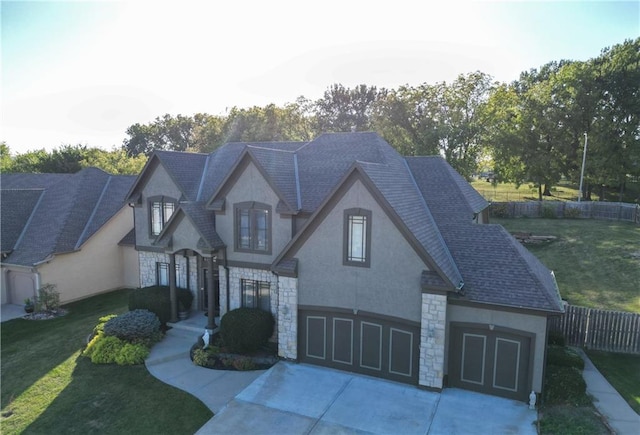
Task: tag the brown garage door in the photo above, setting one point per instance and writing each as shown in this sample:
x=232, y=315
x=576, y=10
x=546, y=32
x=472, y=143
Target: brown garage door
x=366, y=344
x=493, y=362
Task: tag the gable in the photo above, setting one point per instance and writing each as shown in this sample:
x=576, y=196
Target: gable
x=390, y=285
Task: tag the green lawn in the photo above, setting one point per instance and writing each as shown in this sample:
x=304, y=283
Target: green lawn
x=47, y=387
x=596, y=263
x=564, y=191
x=622, y=371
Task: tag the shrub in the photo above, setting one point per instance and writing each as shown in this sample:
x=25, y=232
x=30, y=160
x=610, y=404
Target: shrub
x=499, y=209
x=106, y=349
x=564, y=357
x=91, y=346
x=101, y=321
x=245, y=330
x=48, y=298
x=133, y=326
x=565, y=385
x=548, y=212
x=556, y=338
x=200, y=357
x=185, y=298
x=131, y=354
x=572, y=213
x=242, y=364
x=155, y=299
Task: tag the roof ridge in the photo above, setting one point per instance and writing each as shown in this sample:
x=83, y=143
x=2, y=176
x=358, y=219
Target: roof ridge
x=26, y=225
x=270, y=149
x=203, y=176
x=93, y=213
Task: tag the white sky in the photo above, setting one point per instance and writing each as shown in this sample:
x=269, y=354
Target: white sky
x=84, y=71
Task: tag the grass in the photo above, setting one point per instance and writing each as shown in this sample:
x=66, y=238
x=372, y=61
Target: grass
x=622, y=371
x=596, y=263
x=47, y=387
x=564, y=191
x=571, y=420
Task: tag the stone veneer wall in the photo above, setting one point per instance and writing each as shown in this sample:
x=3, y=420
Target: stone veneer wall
x=148, y=273
x=432, y=339
x=288, y=318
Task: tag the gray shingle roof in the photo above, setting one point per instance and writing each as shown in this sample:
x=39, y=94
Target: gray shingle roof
x=185, y=169
x=495, y=267
x=16, y=206
x=72, y=207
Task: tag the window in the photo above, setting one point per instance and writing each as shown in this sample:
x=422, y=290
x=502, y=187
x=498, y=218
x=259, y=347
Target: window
x=357, y=237
x=162, y=272
x=253, y=227
x=161, y=210
x=255, y=294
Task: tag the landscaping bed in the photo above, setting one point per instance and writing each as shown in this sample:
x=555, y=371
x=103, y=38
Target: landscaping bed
x=218, y=357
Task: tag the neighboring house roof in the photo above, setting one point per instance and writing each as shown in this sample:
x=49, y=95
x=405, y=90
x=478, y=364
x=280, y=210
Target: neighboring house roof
x=70, y=209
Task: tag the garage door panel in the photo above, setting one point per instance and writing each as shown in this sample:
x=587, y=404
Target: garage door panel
x=507, y=365
x=371, y=346
x=316, y=338
x=474, y=350
x=360, y=343
x=343, y=341
x=401, y=352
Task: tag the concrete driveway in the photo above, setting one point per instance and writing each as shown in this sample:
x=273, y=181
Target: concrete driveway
x=304, y=399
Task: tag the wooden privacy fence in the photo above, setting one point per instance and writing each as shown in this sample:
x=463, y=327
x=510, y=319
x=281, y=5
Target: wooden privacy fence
x=611, y=331
x=620, y=211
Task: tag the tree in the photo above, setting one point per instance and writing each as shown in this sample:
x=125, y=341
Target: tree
x=5, y=157
x=342, y=109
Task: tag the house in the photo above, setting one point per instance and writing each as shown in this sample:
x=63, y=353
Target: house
x=369, y=261
x=65, y=229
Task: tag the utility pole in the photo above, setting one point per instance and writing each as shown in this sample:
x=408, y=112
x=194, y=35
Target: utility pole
x=584, y=159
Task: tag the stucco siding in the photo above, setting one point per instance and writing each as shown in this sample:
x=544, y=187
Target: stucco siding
x=184, y=236
x=252, y=186
x=130, y=266
x=96, y=268
x=536, y=325
x=158, y=184
x=391, y=286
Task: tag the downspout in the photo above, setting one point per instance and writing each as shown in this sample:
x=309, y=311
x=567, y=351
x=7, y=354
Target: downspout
x=37, y=278
x=226, y=271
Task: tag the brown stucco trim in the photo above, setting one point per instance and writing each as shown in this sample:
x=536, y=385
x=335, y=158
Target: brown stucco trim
x=162, y=199
x=145, y=175
x=345, y=237
x=249, y=265
x=234, y=175
x=339, y=310
x=498, y=307
x=435, y=290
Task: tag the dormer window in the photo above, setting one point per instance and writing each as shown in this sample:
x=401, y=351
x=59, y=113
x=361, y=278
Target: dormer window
x=253, y=227
x=161, y=209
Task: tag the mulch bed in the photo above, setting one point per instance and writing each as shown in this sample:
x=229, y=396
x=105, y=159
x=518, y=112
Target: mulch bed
x=261, y=360
x=46, y=315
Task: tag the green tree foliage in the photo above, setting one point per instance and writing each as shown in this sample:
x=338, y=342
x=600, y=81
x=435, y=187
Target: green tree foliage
x=344, y=109
x=71, y=159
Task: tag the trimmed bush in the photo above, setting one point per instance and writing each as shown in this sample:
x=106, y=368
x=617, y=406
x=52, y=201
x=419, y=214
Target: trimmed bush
x=101, y=321
x=185, y=299
x=565, y=385
x=245, y=330
x=106, y=350
x=133, y=326
x=564, y=357
x=132, y=354
x=155, y=299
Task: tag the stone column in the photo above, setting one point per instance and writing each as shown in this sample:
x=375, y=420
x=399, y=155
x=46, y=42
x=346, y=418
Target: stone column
x=173, y=294
x=211, y=302
x=432, y=338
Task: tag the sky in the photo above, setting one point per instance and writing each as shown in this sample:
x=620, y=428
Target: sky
x=82, y=72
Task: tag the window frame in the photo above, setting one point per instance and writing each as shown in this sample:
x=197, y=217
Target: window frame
x=163, y=202
x=253, y=210
x=162, y=269
x=347, y=260
x=256, y=287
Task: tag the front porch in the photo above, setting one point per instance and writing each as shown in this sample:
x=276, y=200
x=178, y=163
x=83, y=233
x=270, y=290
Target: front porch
x=196, y=322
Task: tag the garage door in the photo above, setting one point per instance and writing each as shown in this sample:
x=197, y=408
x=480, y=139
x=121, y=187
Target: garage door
x=366, y=344
x=21, y=287
x=492, y=362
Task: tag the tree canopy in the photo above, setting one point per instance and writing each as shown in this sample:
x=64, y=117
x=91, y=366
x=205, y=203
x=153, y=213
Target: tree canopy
x=532, y=129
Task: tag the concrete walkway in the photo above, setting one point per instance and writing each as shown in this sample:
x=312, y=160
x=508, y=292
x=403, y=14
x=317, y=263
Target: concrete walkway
x=611, y=405
x=11, y=311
